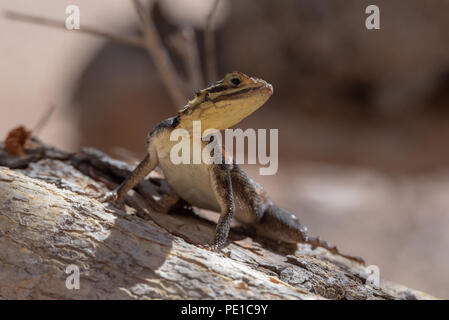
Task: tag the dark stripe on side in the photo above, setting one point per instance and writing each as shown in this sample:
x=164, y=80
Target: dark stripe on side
x=225, y=96
x=218, y=89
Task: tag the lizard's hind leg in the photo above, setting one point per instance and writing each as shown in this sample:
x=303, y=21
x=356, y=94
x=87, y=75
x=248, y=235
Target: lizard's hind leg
x=248, y=195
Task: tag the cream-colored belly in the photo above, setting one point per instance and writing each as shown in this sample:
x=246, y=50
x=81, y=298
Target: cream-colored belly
x=190, y=181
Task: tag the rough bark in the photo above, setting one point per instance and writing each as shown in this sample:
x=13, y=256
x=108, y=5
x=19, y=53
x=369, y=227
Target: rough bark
x=135, y=252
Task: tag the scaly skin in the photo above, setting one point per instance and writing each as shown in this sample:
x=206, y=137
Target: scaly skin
x=224, y=188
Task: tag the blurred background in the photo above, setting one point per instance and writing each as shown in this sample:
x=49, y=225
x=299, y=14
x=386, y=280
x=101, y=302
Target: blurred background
x=363, y=115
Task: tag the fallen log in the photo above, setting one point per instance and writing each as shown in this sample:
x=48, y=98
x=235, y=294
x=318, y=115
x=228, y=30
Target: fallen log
x=51, y=233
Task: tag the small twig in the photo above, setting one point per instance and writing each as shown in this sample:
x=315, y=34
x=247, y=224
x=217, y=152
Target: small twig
x=184, y=43
x=127, y=40
x=210, y=45
x=157, y=51
x=193, y=64
x=151, y=42
x=43, y=120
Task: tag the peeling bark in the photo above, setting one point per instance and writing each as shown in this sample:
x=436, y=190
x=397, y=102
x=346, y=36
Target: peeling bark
x=134, y=252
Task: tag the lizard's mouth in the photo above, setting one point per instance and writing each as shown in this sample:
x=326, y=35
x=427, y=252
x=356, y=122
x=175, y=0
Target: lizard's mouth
x=269, y=87
x=263, y=85
x=266, y=89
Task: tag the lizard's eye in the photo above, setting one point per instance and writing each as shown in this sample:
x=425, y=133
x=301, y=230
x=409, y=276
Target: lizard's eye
x=235, y=81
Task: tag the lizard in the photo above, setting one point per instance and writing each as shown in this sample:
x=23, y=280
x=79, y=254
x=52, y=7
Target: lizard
x=221, y=187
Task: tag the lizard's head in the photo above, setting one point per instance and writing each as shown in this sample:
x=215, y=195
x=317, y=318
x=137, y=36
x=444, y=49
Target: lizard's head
x=226, y=102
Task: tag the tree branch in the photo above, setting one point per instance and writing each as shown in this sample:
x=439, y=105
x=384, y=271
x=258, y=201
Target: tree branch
x=209, y=41
x=135, y=252
x=126, y=40
x=184, y=42
x=157, y=51
x=151, y=42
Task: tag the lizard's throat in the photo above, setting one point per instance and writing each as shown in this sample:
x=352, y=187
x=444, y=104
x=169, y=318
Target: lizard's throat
x=222, y=114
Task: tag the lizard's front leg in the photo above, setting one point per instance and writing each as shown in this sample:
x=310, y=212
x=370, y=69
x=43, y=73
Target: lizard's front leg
x=222, y=187
x=138, y=174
